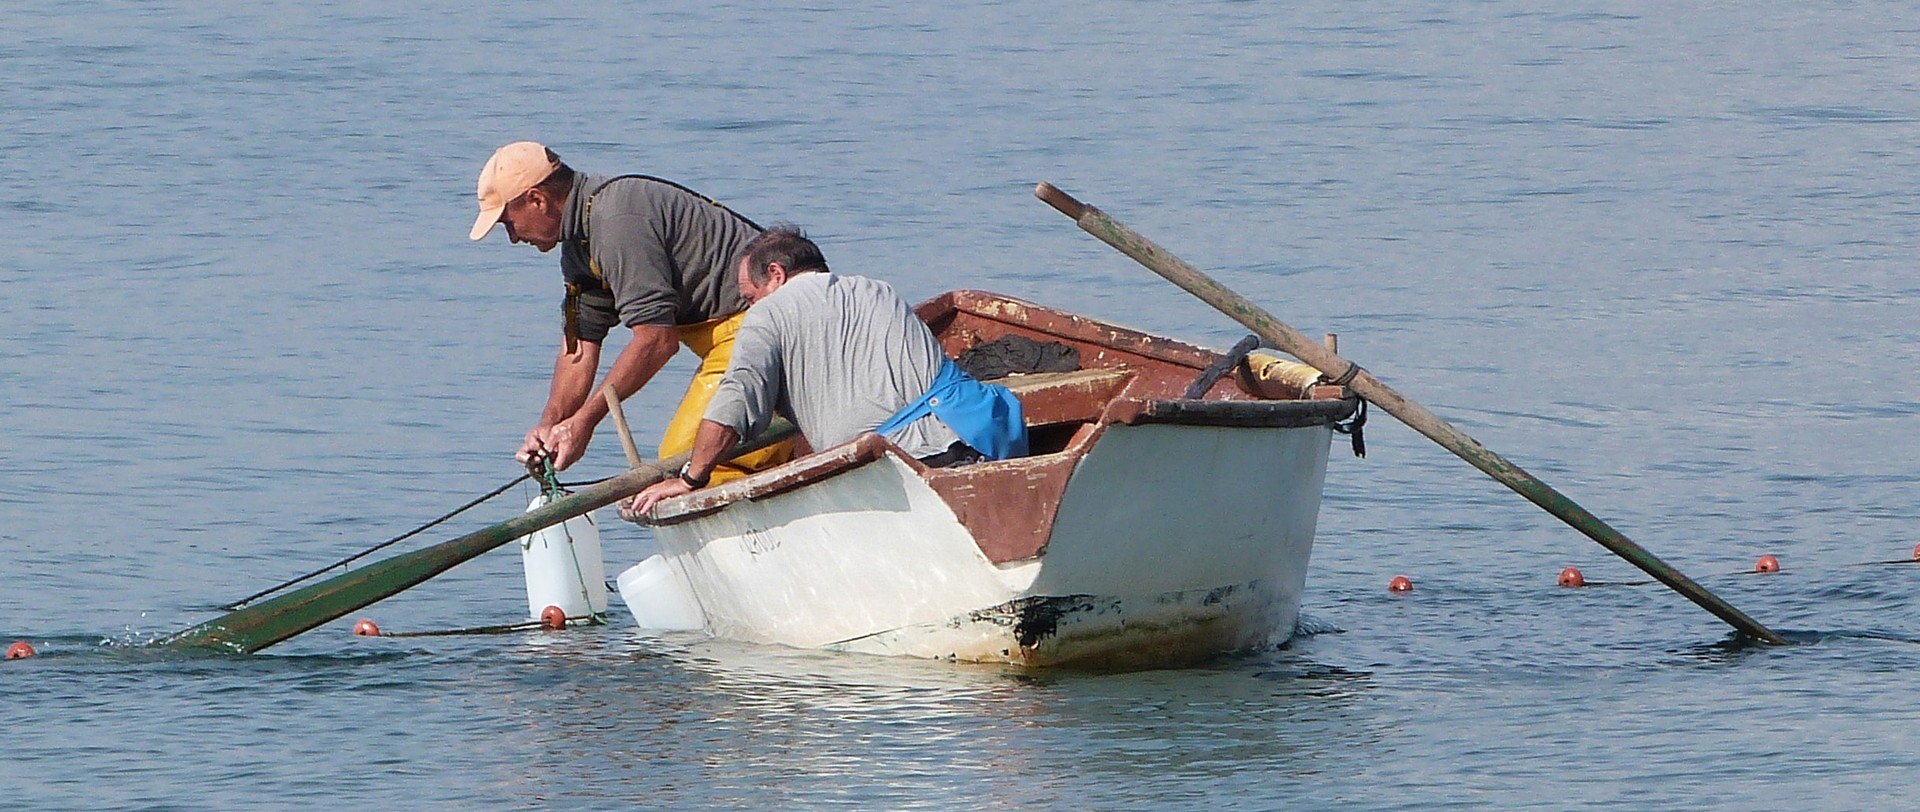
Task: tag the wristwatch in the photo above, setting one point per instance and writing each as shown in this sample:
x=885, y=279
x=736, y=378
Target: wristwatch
x=686, y=475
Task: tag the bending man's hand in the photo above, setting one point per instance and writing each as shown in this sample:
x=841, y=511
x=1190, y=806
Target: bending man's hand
x=533, y=445
x=565, y=441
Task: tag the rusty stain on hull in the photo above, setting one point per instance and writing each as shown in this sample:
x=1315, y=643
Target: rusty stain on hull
x=1101, y=632
x=1008, y=507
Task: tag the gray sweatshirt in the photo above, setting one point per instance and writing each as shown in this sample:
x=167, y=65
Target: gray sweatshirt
x=664, y=255
x=840, y=355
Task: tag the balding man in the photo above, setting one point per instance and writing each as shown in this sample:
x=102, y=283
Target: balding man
x=636, y=251
x=841, y=356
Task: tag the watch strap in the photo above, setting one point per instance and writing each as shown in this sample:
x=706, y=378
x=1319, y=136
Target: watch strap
x=686, y=475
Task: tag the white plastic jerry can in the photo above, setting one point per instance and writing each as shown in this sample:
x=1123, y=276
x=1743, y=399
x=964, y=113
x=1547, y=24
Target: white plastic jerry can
x=563, y=566
x=660, y=598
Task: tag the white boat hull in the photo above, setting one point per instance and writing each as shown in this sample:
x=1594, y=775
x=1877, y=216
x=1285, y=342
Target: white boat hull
x=1171, y=543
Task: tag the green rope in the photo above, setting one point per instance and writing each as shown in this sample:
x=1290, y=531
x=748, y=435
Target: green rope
x=375, y=548
x=549, y=478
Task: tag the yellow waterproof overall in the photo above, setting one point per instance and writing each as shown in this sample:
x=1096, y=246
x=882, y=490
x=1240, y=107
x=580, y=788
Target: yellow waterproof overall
x=712, y=340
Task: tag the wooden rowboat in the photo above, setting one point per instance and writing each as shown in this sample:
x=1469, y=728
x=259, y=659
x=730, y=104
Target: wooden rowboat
x=1146, y=529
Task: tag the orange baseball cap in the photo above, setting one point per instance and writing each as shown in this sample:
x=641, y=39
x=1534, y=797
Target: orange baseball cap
x=511, y=171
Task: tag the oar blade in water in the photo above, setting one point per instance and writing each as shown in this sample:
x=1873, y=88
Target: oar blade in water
x=271, y=621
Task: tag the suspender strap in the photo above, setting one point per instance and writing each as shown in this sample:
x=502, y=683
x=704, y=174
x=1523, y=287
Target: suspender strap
x=570, y=318
x=586, y=219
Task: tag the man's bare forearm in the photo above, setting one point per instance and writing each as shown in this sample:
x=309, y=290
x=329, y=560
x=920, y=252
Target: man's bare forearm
x=642, y=359
x=710, y=442
x=573, y=375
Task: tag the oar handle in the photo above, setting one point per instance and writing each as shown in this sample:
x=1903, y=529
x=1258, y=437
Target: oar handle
x=1060, y=200
x=1364, y=384
x=620, y=423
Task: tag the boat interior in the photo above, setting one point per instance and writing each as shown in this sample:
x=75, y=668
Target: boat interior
x=1124, y=377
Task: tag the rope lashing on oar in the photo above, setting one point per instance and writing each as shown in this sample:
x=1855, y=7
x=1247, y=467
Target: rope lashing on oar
x=377, y=547
x=1346, y=377
x=1353, y=427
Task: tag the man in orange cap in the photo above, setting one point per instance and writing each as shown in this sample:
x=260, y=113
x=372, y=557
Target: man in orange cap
x=635, y=250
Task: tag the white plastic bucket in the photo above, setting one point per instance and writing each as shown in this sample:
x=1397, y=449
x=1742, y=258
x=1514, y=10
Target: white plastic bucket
x=659, y=598
x=563, y=567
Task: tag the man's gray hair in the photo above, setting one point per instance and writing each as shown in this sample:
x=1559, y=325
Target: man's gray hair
x=784, y=244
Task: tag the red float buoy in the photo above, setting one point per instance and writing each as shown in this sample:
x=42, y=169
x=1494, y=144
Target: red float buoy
x=1916, y=552
x=20, y=650
x=553, y=617
x=1400, y=583
x=1571, y=577
x=366, y=628
x=1767, y=563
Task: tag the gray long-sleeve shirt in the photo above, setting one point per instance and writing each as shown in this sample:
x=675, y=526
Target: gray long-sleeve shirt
x=840, y=355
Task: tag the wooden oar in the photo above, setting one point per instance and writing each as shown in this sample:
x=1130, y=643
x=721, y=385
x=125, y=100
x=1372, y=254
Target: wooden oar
x=271, y=621
x=620, y=422
x=1342, y=371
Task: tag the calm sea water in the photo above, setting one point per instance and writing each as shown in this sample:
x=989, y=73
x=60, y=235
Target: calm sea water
x=1659, y=256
